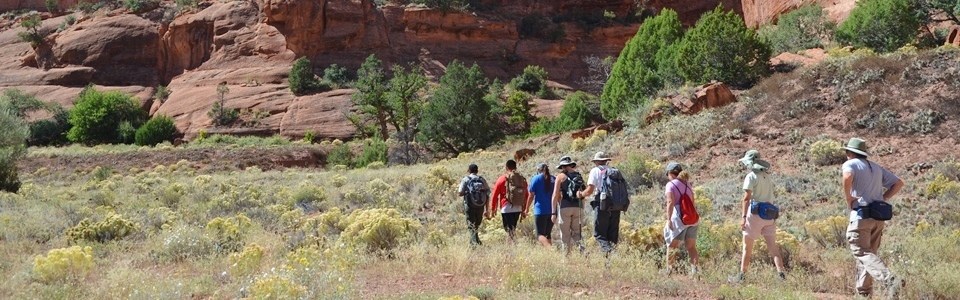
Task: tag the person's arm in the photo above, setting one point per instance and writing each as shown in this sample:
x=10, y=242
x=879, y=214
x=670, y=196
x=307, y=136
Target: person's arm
x=586, y=192
x=463, y=187
x=746, y=207
x=668, y=195
x=555, y=202
x=530, y=195
x=893, y=190
x=848, y=189
x=498, y=189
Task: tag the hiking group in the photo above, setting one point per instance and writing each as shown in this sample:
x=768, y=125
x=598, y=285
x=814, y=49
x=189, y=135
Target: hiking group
x=562, y=200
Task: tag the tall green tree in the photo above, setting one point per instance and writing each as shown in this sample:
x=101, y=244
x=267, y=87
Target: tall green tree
x=370, y=97
x=720, y=47
x=457, y=117
x=881, y=25
x=13, y=140
x=519, y=110
x=636, y=75
x=405, y=102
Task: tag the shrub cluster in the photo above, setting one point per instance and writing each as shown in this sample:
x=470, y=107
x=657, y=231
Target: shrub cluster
x=302, y=80
x=104, y=117
x=63, y=264
x=111, y=227
x=157, y=130
x=246, y=262
x=943, y=187
x=533, y=80
x=826, y=152
x=881, y=25
x=804, y=28
x=229, y=233
x=379, y=229
x=575, y=114
x=829, y=232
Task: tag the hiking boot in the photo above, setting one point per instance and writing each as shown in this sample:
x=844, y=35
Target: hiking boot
x=894, y=286
x=782, y=276
x=737, y=279
x=695, y=272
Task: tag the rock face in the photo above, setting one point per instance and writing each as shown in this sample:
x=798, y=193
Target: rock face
x=714, y=94
x=250, y=46
x=759, y=12
x=803, y=58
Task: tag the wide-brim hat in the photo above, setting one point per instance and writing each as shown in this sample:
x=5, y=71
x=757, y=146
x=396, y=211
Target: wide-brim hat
x=566, y=161
x=600, y=156
x=858, y=146
x=752, y=161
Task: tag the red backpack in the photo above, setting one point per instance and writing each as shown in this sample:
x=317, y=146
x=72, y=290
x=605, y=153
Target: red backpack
x=688, y=210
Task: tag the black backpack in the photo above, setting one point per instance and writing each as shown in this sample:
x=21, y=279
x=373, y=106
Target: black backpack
x=476, y=195
x=573, y=184
x=614, y=194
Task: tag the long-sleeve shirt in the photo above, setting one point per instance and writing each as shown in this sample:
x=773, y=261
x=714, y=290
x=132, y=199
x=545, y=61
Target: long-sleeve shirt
x=498, y=200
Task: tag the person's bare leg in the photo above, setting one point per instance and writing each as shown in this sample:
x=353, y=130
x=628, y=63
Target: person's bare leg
x=671, y=258
x=774, y=250
x=544, y=241
x=745, y=258
x=692, y=251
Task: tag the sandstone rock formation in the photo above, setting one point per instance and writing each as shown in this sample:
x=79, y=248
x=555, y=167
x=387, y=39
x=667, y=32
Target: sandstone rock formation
x=803, y=58
x=954, y=37
x=759, y=12
x=714, y=94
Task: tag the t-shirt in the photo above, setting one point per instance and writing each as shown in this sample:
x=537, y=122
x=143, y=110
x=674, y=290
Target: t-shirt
x=677, y=187
x=542, y=194
x=596, y=180
x=760, y=186
x=869, y=179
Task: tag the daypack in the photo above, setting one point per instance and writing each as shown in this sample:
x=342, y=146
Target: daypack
x=688, y=211
x=516, y=189
x=573, y=184
x=476, y=195
x=614, y=194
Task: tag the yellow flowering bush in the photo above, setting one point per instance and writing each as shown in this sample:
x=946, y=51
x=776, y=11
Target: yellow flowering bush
x=720, y=240
x=111, y=227
x=829, y=232
x=578, y=144
x=702, y=201
x=437, y=238
x=247, y=261
x=788, y=245
x=379, y=229
x=159, y=218
x=921, y=228
x=338, y=180
x=826, y=152
x=229, y=233
x=643, y=238
x=308, y=195
x=597, y=137
x=64, y=263
x=942, y=186
x=276, y=287
x=439, y=178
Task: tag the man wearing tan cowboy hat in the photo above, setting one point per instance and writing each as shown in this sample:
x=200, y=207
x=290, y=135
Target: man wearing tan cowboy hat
x=866, y=182
x=606, y=225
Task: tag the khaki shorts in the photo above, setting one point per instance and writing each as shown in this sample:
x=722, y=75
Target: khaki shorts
x=689, y=233
x=756, y=228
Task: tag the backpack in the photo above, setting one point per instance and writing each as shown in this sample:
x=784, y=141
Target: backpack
x=688, y=211
x=516, y=189
x=614, y=194
x=476, y=195
x=573, y=184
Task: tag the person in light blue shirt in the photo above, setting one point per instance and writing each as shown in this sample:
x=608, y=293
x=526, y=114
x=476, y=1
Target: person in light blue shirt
x=865, y=182
x=541, y=196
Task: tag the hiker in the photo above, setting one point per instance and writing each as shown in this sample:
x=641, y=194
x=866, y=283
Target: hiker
x=606, y=225
x=758, y=218
x=475, y=192
x=509, y=197
x=681, y=218
x=541, y=199
x=867, y=187
x=566, y=205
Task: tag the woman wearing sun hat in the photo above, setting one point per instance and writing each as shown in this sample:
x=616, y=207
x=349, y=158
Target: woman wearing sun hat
x=758, y=218
x=567, y=206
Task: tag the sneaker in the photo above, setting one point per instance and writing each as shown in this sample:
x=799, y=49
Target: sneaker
x=736, y=278
x=894, y=286
x=782, y=275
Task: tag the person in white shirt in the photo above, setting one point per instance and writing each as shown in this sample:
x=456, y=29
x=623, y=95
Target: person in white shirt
x=606, y=225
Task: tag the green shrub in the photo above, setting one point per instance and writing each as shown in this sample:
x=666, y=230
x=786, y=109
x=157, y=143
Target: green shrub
x=51, y=5
x=63, y=264
x=881, y=25
x=340, y=155
x=336, y=75
x=644, y=66
x=301, y=78
x=97, y=117
x=219, y=113
x=229, y=233
x=445, y=5
x=126, y=133
x=21, y=103
x=370, y=98
x=804, y=28
x=157, y=130
x=720, y=47
x=139, y=6
x=827, y=152
x=111, y=227
x=185, y=4
x=12, y=145
x=533, y=80
x=374, y=150
x=162, y=93
x=518, y=110
x=183, y=243
x=574, y=115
